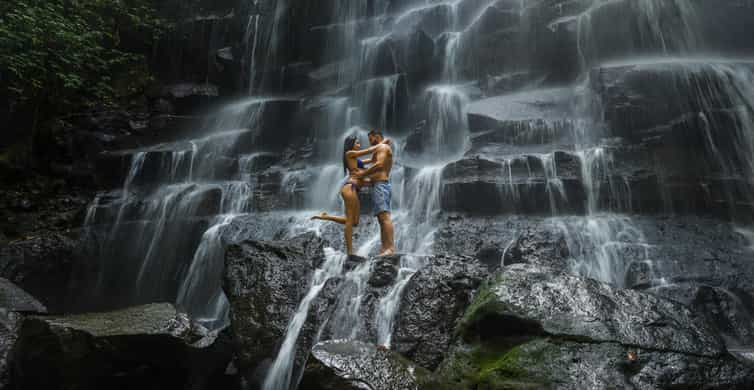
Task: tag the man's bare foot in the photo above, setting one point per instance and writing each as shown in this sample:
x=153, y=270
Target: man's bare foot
x=321, y=215
x=383, y=348
x=387, y=252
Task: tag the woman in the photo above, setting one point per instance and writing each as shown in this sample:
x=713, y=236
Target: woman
x=350, y=188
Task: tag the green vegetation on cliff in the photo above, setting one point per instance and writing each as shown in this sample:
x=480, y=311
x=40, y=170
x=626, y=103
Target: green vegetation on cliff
x=71, y=53
x=61, y=56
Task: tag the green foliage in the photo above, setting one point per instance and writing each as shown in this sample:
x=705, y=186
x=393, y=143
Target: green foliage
x=496, y=366
x=69, y=54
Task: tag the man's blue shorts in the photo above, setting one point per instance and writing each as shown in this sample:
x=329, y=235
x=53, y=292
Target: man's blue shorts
x=382, y=193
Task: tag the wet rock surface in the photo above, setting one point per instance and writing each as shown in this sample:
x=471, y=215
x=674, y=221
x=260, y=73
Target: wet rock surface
x=541, y=246
x=264, y=283
x=42, y=265
x=140, y=346
x=9, y=324
x=13, y=298
x=537, y=300
x=434, y=299
x=552, y=363
x=574, y=288
x=346, y=365
x=14, y=304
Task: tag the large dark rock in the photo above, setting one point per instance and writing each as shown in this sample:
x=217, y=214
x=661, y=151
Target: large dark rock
x=352, y=365
x=535, y=300
x=151, y=346
x=532, y=327
x=264, y=283
x=434, y=299
x=15, y=299
x=553, y=363
x=543, y=245
x=384, y=271
x=41, y=265
x=13, y=302
x=9, y=324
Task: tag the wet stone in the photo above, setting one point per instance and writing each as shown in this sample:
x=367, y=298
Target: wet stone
x=352, y=365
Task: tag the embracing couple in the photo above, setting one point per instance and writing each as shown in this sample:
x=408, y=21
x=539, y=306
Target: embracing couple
x=375, y=172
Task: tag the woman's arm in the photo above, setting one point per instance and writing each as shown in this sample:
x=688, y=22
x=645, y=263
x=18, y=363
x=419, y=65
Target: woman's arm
x=369, y=150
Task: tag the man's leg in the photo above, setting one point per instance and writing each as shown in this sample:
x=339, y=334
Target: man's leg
x=386, y=233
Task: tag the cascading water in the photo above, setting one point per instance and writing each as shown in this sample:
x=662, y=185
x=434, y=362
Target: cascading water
x=165, y=229
x=552, y=149
x=279, y=375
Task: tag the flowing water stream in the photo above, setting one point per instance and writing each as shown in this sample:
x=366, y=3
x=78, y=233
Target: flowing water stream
x=389, y=65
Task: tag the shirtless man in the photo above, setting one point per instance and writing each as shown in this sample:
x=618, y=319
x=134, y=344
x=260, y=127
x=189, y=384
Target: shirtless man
x=379, y=173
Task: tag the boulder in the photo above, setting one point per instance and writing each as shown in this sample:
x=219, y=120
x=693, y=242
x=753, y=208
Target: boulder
x=434, y=299
x=352, y=365
x=13, y=298
x=264, y=283
x=534, y=300
x=151, y=345
x=41, y=265
x=384, y=271
x=550, y=363
x=542, y=245
x=13, y=302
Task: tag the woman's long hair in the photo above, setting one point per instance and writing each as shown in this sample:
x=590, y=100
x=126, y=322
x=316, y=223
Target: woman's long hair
x=347, y=146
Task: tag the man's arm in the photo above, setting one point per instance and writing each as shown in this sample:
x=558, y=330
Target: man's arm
x=378, y=162
x=369, y=150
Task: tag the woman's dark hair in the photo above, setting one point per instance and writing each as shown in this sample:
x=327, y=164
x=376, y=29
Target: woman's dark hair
x=348, y=145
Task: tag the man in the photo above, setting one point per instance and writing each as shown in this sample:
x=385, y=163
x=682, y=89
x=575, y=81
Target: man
x=382, y=191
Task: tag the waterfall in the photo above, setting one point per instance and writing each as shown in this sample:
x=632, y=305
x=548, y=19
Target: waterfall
x=389, y=304
x=602, y=247
x=407, y=69
x=450, y=55
x=252, y=34
x=280, y=373
x=347, y=321
x=448, y=129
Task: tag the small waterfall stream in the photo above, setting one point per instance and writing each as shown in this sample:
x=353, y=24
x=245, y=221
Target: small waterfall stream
x=279, y=375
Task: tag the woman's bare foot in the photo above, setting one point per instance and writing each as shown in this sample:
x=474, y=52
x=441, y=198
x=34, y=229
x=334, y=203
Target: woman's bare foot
x=321, y=215
x=387, y=252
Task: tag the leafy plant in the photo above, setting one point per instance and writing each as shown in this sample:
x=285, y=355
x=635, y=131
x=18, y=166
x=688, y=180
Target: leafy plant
x=66, y=54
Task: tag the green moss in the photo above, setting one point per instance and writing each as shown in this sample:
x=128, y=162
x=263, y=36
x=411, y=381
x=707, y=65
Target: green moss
x=485, y=303
x=520, y=364
x=496, y=367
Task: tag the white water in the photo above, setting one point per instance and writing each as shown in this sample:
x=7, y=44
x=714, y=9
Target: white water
x=603, y=246
x=280, y=373
x=390, y=303
x=448, y=128
x=347, y=320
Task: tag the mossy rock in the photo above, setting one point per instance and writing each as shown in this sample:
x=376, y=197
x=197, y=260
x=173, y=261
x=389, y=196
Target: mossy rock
x=487, y=318
x=495, y=366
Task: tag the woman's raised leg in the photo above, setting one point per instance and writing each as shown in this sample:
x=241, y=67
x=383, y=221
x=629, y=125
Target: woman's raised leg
x=332, y=218
x=351, y=200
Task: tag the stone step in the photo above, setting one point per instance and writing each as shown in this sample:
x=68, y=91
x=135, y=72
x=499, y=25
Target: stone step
x=536, y=116
x=171, y=202
x=580, y=182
